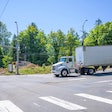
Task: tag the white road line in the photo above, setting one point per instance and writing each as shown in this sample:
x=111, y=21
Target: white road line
x=76, y=79
x=104, y=81
x=96, y=98
x=109, y=91
x=62, y=103
x=8, y=106
x=36, y=104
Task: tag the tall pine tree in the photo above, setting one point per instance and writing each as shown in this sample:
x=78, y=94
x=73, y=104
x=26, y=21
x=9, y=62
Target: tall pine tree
x=1, y=57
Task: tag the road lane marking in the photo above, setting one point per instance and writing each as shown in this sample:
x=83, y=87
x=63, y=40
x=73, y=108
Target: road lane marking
x=8, y=106
x=109, y=91
x=36, y=104
x=63, y=103
x=104, y=81
x=76, y=79
x=96, y=98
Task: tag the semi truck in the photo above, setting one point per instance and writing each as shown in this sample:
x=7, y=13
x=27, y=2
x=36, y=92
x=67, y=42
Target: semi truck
x=87, y=60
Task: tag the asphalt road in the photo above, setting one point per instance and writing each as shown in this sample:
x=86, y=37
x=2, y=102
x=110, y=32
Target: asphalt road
x=46, y=93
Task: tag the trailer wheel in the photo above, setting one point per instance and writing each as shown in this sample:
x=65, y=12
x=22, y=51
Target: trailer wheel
x=90, y=71
x=64, y=73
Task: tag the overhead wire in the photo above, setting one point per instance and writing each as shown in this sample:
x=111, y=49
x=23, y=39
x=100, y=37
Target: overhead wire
x=4, y=9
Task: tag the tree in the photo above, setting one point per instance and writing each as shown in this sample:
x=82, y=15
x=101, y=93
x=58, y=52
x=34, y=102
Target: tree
x=56, y=42
x=41, y=56
x=13, y=51
x=33, y=45
x=62, y=39
x=6, y=60
x=28, y=38
x=72, y=42
x=106, y=34
x=4, y=37
x=100, y=35
x=4, y=40
x=62, y=45
x=1, y=58
x=98, y=22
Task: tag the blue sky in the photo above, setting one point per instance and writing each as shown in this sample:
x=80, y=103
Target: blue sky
x=55, y=14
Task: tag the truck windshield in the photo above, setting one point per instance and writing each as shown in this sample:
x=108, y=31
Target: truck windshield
x=62, y=59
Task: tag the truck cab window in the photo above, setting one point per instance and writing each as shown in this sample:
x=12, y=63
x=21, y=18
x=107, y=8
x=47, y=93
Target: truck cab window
x=62, y=59
x=70, y=59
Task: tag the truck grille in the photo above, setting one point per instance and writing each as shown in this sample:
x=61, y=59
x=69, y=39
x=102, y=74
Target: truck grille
x=53, y=67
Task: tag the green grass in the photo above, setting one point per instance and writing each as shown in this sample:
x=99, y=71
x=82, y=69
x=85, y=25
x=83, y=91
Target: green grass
x=35, y=70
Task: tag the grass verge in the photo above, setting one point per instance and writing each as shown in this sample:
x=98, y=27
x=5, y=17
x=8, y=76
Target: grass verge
x=35, y=70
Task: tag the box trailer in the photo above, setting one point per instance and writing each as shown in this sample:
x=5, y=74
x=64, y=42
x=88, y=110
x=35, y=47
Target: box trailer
x=89, y=58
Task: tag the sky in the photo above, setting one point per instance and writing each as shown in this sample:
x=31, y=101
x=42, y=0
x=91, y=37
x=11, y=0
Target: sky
x=51, y=15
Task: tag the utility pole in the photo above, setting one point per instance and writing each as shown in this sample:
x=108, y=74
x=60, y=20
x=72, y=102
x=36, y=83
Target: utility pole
x=17, y=49
x=83, y=35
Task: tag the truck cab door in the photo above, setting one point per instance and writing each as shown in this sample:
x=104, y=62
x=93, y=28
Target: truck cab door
x=70, y=62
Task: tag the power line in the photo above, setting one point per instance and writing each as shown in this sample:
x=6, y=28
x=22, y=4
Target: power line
x=4, y=8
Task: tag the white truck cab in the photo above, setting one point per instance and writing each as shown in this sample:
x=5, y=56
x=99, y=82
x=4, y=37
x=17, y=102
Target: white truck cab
x=64, y=67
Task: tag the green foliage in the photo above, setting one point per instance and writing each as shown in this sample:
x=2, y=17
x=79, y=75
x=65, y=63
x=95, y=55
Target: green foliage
x=12, y=52
x=100, y=35
x=36, y=70
x=33, y=45
x=56, y=41
x=7, y=60
x=4, y=37
x=72, y=42
x=61, y=45
x=4, y=40
x=50, y=52
x=1, y=58
x=98, y=22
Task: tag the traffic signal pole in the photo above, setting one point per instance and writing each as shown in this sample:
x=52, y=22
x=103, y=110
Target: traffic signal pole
x=17, y=45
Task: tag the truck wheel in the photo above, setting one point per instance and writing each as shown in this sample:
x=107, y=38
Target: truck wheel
x=90, y=71
x=64, y=73
x=82, y=71
x=56, y=75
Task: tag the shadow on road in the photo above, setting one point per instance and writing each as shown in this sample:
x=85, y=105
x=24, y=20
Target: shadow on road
x=98, y=74
x=102, y=74
x=69, y=76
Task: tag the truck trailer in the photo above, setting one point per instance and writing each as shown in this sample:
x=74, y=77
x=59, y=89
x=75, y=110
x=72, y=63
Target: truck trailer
x=87, y=60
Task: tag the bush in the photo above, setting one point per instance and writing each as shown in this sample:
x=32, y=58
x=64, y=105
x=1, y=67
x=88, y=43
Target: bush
x=35, y=70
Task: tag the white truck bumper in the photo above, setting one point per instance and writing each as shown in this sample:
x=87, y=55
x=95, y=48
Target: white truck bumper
x=55, y=72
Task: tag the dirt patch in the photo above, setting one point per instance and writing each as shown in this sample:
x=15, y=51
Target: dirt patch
x=2, y=71
x=31, y=66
